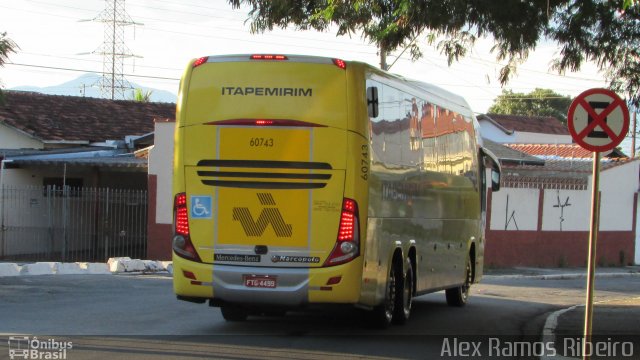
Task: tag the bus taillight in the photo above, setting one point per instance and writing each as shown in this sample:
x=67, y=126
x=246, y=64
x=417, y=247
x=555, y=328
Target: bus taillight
x=181, y=243
x=200, y=61
x=340, y=63
x=347, y=245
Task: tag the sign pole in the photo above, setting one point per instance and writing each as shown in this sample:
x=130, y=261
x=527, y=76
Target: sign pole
x=598, y=120
x=593, y=238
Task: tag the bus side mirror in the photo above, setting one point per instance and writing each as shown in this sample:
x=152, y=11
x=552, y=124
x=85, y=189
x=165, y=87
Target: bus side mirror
x=372, y=101
x=495, y=180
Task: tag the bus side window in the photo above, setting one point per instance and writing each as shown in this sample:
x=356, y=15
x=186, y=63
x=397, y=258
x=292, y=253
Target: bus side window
x=495, y=180
x=372, y=101
x=492, y=162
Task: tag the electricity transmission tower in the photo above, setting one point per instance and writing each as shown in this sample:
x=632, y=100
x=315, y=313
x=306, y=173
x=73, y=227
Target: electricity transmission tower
x=113, y=84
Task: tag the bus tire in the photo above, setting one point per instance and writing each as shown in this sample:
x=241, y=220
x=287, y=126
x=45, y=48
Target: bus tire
x=404, y=295
x=233, y=313
x=459, y=296
x=383, y=314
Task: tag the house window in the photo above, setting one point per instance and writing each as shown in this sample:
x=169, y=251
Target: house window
x=55, y=185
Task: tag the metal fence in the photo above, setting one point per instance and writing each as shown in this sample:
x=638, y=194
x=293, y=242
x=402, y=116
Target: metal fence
x=72, y=224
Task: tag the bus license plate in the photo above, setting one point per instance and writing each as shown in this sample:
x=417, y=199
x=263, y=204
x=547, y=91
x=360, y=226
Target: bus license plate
x=260, y=281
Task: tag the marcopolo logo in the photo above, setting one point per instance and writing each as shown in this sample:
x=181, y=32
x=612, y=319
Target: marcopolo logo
x=23, y=347
x=268, y=215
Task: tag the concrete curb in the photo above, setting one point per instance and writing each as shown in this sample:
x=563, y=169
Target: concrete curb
x=551, y=323
x=113, y=266
x=563, y=276
x=549, y=331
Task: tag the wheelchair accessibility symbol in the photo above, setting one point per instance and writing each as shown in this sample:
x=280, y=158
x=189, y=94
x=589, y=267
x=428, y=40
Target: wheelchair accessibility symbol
x=201, y=207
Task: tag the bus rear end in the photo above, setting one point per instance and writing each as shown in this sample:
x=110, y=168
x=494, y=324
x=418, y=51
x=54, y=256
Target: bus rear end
x=266, y=211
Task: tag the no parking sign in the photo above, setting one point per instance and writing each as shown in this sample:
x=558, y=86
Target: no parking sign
x=598, y=120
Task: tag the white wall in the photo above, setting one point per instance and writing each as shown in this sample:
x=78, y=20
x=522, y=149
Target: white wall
x=522, y=137
x=617, y=186
x=566, y=210
x=13, y=139
x=21, y=177
x=637, y=257
x=490, y=131
x=569, y=210
x=161, y=165
x=514, y=209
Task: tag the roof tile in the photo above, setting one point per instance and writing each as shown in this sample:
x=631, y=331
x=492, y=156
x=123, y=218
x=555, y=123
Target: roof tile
x=72, y=118
x=559, y=150
x=533, y=124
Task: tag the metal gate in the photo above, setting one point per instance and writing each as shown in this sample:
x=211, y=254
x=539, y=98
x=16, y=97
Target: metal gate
x=72, y=224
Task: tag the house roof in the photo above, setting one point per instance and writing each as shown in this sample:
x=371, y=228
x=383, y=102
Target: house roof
x=508, y=155
x=121, y=162
x=532, y=124
x=72, y=119
x=573, y=151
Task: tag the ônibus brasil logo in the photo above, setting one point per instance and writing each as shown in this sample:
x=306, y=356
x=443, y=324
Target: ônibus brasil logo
x=24, y=347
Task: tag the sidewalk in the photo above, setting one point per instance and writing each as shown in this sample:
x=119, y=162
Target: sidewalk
x=562, y=273
x=614, y=329
x=615, y=322
x=117, y=265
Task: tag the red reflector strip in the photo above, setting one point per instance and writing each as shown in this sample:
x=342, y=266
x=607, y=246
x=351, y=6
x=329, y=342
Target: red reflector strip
x=264, y=122
x=188, y=274
x=268, y=57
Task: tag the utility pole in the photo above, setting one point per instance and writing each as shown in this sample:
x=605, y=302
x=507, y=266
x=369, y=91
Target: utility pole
x=113, y=85
x=633, y=134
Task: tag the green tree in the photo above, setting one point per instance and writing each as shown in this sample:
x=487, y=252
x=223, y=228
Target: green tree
x=539, y=102
x=604, y=31
x=140, y=95
x=7, y=46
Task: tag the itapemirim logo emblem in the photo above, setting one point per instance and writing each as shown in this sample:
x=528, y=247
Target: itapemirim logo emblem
x=24, y=347
x=270, y=215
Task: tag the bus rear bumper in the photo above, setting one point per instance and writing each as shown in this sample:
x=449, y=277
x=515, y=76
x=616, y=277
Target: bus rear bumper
x=291, y=287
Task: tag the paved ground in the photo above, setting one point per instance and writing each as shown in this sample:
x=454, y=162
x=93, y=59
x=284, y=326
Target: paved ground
x=137, y=317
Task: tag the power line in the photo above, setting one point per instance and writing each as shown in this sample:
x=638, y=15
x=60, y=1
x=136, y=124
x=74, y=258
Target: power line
x=199, y=35
x=96, y=61
x=90, y=71
x=532, y=70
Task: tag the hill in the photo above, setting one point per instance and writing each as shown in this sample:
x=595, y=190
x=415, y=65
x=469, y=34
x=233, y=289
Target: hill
x=86, y=85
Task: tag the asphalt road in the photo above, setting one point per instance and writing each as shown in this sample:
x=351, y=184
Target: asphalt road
x=137, y=317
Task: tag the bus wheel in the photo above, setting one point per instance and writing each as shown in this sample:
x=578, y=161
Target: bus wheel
x=233, y=313
x=459, y=296
x=383, y=313
x=404, y=296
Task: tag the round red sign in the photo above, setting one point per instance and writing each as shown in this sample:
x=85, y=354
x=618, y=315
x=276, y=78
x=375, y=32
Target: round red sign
x=598, y=120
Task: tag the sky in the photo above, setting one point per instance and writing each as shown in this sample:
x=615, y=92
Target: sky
x=58, y=42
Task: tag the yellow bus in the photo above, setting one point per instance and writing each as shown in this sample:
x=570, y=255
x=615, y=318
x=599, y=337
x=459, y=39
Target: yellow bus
x=305, y=181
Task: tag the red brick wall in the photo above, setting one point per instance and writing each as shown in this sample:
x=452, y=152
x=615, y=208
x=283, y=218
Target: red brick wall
x=555, y=248
x=158, y=235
